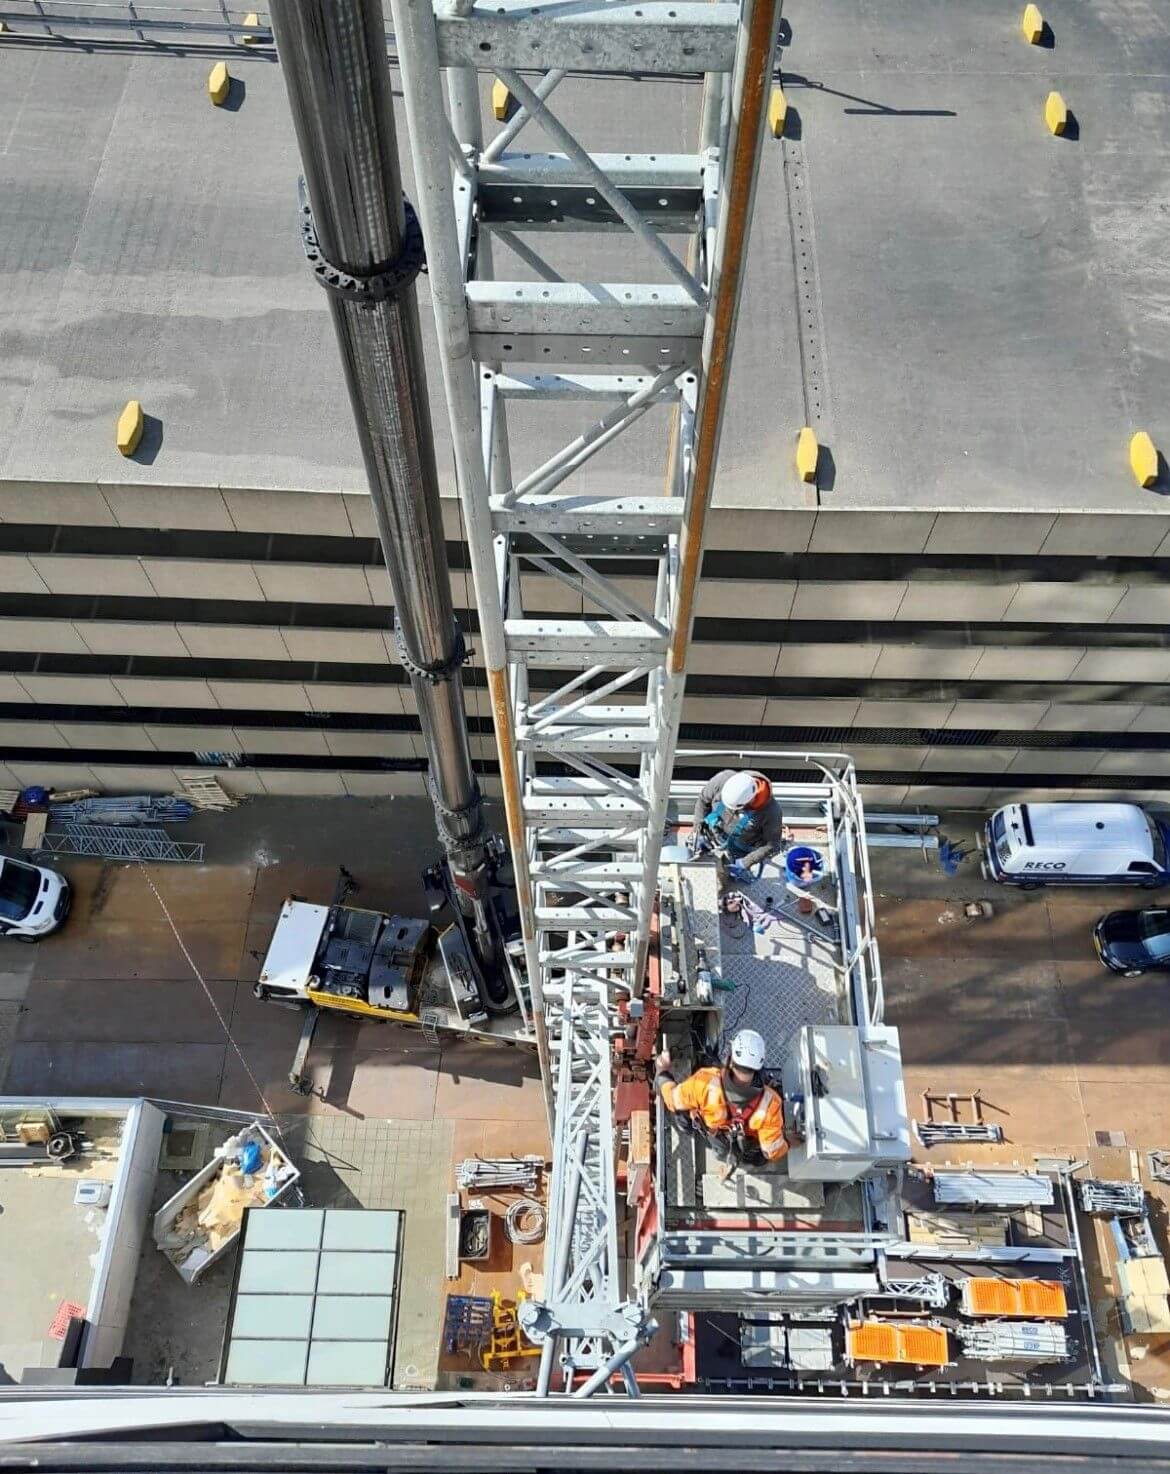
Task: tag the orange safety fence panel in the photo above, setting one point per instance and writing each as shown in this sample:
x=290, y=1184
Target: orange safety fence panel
x=924, y=1346
x=875, y=1340
x=992, y=1297
x=872, y=1340
x=1044, y=1298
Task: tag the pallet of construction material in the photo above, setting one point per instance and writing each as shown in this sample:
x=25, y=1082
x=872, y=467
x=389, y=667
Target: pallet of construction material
x=1144, y=1286
x=968, y=1232
x=1015, y=1341
x=206, y=792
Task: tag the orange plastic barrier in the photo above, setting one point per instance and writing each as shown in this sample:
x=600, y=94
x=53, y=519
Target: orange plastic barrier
x=1042, y=1299
x=873, y=1341
x=877, y=1340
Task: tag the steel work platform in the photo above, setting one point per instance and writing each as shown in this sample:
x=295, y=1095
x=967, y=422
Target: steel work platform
x=787, y=974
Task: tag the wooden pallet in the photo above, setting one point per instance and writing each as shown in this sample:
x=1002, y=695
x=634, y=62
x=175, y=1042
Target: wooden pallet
x=206, y=792
x=956, y=1233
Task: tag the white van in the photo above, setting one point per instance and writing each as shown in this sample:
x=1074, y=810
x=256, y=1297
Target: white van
x=1031, y=845
x=34, y=900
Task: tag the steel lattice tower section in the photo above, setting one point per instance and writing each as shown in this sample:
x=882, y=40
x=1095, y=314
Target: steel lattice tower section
x=585, y=766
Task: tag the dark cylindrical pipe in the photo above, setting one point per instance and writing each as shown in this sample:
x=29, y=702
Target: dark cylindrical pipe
x=333, y=56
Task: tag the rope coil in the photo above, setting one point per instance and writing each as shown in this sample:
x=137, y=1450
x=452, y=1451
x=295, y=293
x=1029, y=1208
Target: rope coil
x=524, y=1221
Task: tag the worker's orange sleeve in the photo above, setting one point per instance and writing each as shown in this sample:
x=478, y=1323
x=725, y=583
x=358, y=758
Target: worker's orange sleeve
x=771, y=1129
x=688, y=1096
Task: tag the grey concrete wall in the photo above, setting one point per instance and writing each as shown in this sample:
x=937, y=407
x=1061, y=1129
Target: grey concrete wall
x=981, y=792
x=126, y=1219
x=775, y=528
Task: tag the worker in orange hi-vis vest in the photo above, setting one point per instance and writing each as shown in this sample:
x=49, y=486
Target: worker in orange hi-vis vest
x=729, y=1105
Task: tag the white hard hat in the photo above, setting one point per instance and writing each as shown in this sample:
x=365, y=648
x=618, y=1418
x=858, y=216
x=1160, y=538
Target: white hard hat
x=739, y=790
x=748, y=1050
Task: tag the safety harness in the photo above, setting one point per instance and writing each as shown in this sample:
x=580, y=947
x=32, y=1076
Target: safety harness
x=735, y=836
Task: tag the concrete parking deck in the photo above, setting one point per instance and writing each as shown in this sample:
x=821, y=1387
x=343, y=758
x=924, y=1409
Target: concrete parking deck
x=967, y=309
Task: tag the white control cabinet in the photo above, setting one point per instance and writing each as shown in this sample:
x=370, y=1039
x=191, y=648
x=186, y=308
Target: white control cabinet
x=844, y=1089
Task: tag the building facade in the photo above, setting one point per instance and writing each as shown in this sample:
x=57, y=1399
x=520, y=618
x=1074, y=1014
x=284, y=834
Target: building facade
x=971, y=313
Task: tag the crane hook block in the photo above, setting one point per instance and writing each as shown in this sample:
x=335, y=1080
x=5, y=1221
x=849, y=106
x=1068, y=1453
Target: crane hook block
x=1056, y=113
x=219, y=83
x=1143, y=459
x=501, y=101
x=777, y=112
x=807, y=454
x=130, y=423
x=1032, y=25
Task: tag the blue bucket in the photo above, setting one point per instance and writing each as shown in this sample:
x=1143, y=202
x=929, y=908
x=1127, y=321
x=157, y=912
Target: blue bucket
x=800, y=855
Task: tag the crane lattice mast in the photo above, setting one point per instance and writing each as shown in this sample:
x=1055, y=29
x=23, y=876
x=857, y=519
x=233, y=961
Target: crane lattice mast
x=586, y=707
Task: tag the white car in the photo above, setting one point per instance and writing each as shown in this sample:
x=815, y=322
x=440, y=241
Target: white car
x=34, y=901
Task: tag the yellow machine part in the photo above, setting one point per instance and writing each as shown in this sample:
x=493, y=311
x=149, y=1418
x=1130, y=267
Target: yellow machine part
x=507, y=1341
x=359, y=1006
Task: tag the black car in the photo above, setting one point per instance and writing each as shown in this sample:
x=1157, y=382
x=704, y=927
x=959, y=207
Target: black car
x=1133, y=942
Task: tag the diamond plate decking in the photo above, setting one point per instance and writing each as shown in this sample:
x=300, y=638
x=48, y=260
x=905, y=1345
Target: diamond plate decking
x=783, y=979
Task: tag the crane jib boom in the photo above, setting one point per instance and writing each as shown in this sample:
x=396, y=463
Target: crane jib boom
x=365, y=247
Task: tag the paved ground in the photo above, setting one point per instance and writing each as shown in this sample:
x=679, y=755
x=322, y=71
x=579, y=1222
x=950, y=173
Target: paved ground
x=1019, y=1006
x=111, y=1004
x=1015, y=1006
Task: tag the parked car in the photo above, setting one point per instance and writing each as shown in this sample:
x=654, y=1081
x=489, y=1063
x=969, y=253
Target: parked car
x=1031, y=845
x=34, y=900
x=1133, y=942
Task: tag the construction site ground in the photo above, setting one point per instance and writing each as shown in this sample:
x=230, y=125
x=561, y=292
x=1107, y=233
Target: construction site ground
x=1014, y=1005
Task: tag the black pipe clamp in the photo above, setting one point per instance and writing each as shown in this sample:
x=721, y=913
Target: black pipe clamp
x=386, y=281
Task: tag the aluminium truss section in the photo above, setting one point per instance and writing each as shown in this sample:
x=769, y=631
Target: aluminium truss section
x=119, y=842
x=585, y=592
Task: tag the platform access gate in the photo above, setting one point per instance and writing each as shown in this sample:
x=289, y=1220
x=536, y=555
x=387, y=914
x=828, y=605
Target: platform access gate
x=586, y=708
